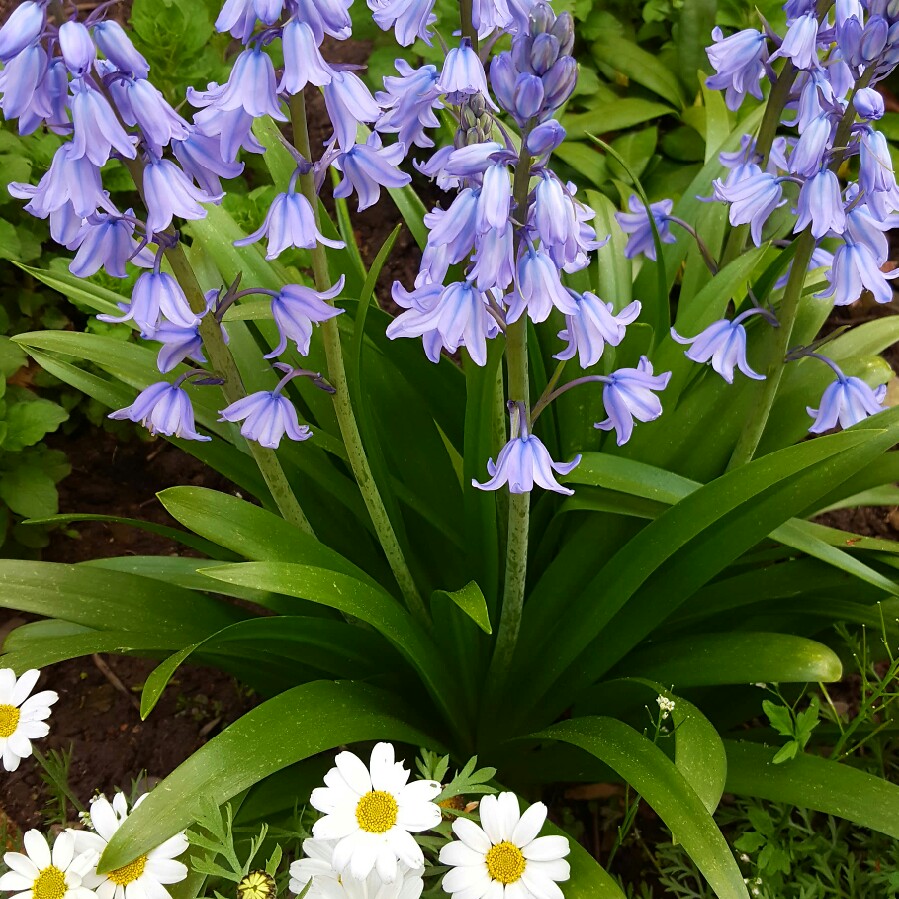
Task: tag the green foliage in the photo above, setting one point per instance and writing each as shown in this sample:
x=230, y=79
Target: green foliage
x=796, y=726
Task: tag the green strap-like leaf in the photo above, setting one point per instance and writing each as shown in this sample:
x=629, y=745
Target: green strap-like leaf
x=809, y=781
x=471, y=600
x=292, y=726
x=656, y=778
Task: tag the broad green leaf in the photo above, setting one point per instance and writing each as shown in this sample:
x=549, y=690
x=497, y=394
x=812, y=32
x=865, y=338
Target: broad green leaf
x=614, y=116
x=28, y=422
x=294, y=725
x=694, y=25
x=717, y=121
x=657, y=779
x=471, y=601
x=640, y=66
x=813, y=782
x=735, y=658
x=100, y=299
x=27, y=490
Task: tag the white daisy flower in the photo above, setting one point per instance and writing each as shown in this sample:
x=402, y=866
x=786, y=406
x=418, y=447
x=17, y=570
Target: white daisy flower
x=22, y=717
x=372, y=814
x=327, y=883
x=143, y=878
x=42, y=874
x=506, y=859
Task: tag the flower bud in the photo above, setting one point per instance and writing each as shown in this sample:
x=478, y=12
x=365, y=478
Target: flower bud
x=559, y=82
x=563, y=31
x=528, y=100
x=22, y=28
x=116, y=46
x=541, y=19
x=78, y=51
x=849, y=38
x=502, y=78
x=521, y=52
x=545, y=138
x=874, y=38
x=868, y=103
x=544, y=52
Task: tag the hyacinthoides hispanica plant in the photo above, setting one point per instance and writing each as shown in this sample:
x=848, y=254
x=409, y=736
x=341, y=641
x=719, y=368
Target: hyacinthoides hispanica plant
x=418, y=586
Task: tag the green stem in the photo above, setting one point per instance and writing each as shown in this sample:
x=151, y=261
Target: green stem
x=343, y=408
x=223, y=363
x=58, y=782
x=466, y=10
x=519, y=503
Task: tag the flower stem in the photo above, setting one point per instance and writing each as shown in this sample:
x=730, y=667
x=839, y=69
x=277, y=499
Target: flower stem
x=223, y=362
x=343, y=408
x=519, y=503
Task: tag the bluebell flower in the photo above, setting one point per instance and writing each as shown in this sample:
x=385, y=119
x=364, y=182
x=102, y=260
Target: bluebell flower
x=723, y=343
x=433, y=168
x=156, y=293
x=149, y=110
x=267, y=416
x=239, y=16
x=628, y=394
x=752, y=200
x=739, y=64
x=455, y=227
x=105, y=240
x=77, y=48
x=303, y=63
x=523, y=462
x=503, y=75
x=200, y=156
x=855, y=269
x=463, y=74
x=489, y=15
x=163, y=408
x=251, y=86
x=70, y=179
x=637, y=225
x=876, y=177
x=435, y=263
x=409, y=102
x=815, y=140
x=559, y=84
x=495, y=201
x=865, y=228
x=545, y=138
x=493, y=262
x=800, y=44
x=411, y=19
x=296, y=308
x=325, y=17
x=473, y=159
x=868, y=103
x=96, y=129
x=50, y=102
x=367, y=168
x=349, y=102
x=423, y=299
x=539, y=288
x=232, y=127
x=20, y=79
x=22, y=28
x=527, y=97
x=459, y=315
x=169, y=192
x=116, y=46
x=594, y=325
x=178, y=343
x=561, y=223
x=846, y=402
x=816, y=93
x=821, y=205
x=290, y=222
x=65, y=225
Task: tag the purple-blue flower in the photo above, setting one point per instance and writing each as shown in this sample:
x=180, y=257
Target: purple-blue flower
x=815, y=140
x=303, y=63
x=325, y=17
x=876, y=177
x=116, y=46
x=20, y=79
x=409, y=102
x=266, y=417
x=523, y=462
x=169, y=192
x=545, y=138
x=492, y=263
x=723, y=343
x=800, y=45
x=70, y=179
x=349, y=102
x=156, y=293
x=855, y=269
x=454, y=228
x=239, y=16
x=821, y=205
x=868, y=103
x=627, y=394
x=163, y=408
x=411, y=19
x=495, y=201
x=367, y=168
x=251, y=86
x=96, y=129
x=560, y=221
x=290, y=222
x=539, y=288
x=22, y=28
x=232, y=127
x=178, y=343
x=739, y=64
x=638, y=226
x=846, y=402
x=752, y=199
x=463, y=74
x=594, y=325
x=201, y=159
x=105, y=240
x=148, y=109
x=295, y=308
x=78, y=50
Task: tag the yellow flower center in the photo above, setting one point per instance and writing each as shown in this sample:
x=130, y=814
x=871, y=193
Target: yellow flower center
x=50, y=883
x=9, y=720
x=257, y=885
x=505, y=862
x=377, y=811
x=128, y=873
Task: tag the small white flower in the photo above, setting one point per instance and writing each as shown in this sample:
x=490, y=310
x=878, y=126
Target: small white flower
x=327, y=883
x=666, y=705
x=142, y=878
x=506, y=859
x=373, y=812
x=42, y=874
x=22, y=717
